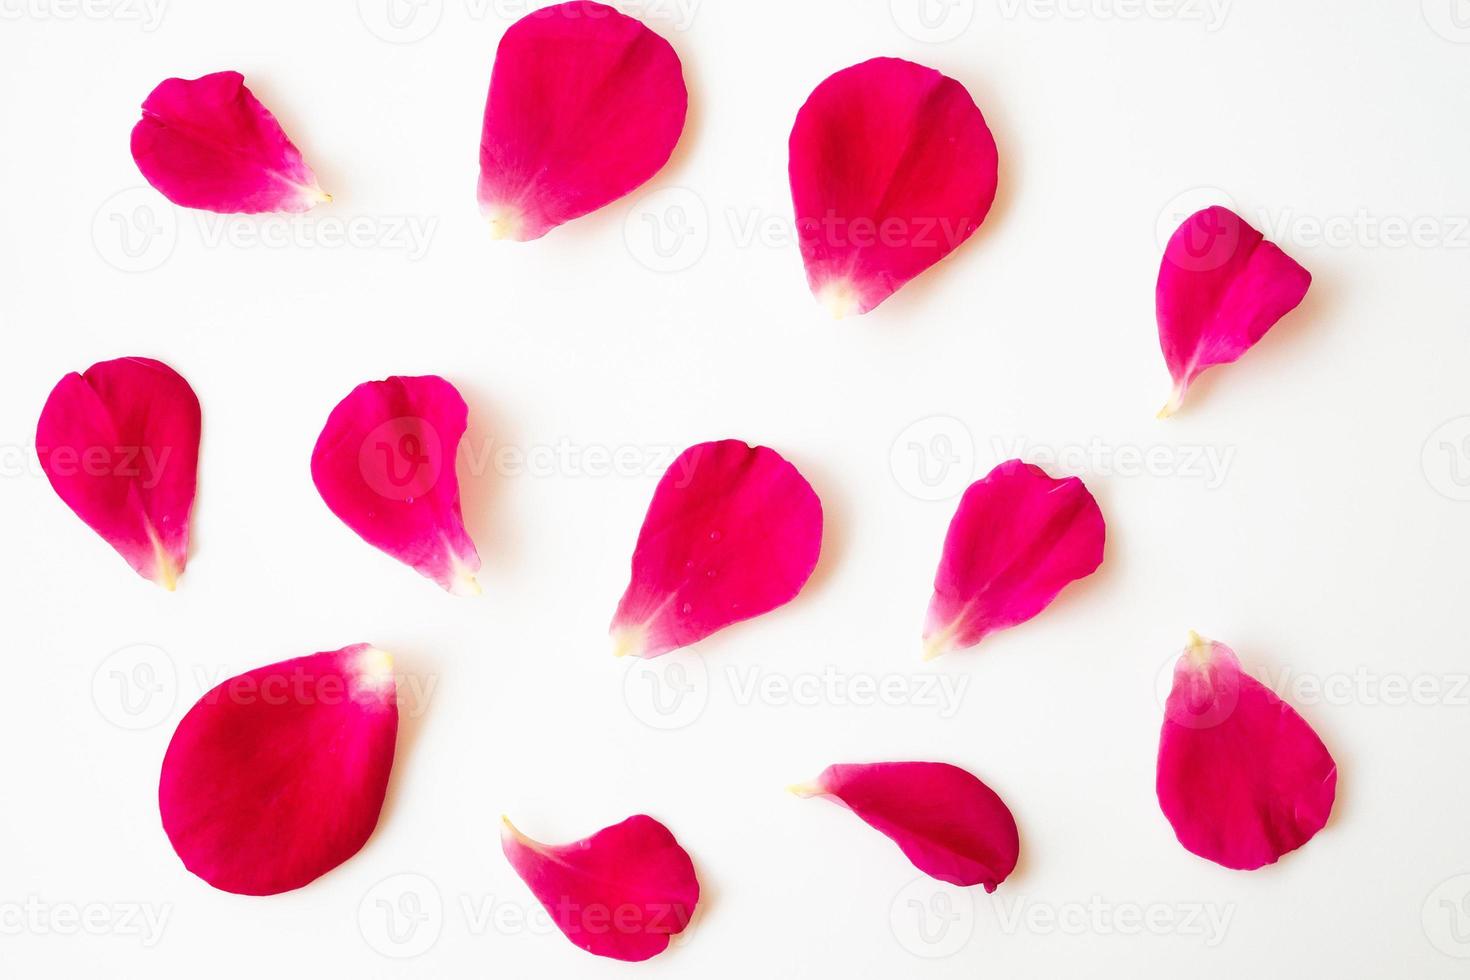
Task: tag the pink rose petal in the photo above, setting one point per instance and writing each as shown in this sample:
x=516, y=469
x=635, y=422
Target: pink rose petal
x=207, y=143
x=1016, y=540
x=120, y=445
x=1242, y=778
x=384, y=464
x=892, y=168
x=1221, y=287
x=585, y=105
x=277, y=776
x=733, y=532
x=620, y=893
x=948, y=823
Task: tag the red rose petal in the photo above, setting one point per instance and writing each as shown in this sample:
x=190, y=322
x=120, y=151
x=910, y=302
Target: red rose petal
x=1221, y=287
x=948, y=823
x=120, y=445
x=1016, y=540
x=585, y=105
x=207, y=143
x=1242, y=778
x=733, y=531
x=278, y=775
x=892, y=168
x=384, y=464
x=620, y=893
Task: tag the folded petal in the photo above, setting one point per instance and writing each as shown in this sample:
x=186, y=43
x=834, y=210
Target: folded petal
x=120, y=445
x=384, y=464
x=208, y=143
x=1221, y=287
x=1242, y=778
x=620, y=893
x=892, y=168
x=277, y=776
x=1016, y=540
x=947, y=822
x=585, y=105
x=733, y=531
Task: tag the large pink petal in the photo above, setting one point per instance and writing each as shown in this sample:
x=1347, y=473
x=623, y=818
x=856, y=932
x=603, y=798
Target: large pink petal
x=892, y=168
x=120, y=445
x=585, y=105
x=947, y=822
x=384, y=464
x=277, y=776
x=1221, y=287
x=1016, y=540
x=1242, y=778
x=733, y=531
x=208, y=143
x=620, y=893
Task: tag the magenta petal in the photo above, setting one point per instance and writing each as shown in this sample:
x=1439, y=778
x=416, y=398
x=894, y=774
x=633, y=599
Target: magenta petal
x=1242, y=778
x=733, y=531
x=892, y=168
x=207, y=143
x=585, y=105
x=1221, y=287
x=1016, y=540
x=120, y=445
x=277, y=776
x=948, y=823
x=384, y=464
x=620, y=893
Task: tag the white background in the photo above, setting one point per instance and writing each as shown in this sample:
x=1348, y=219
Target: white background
x=1308, y=506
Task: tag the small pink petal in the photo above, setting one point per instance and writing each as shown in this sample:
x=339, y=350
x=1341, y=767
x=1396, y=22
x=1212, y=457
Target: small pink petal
x=1016, y=540
x=1221, y=287
x=620, y=893
x=120, y=445
x=948, y=823
x=384, y=464
x=1242, y=778
x=585, y=105
x=207, y=143
x=733, y=531
x=892, y=168
x=277, y=776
